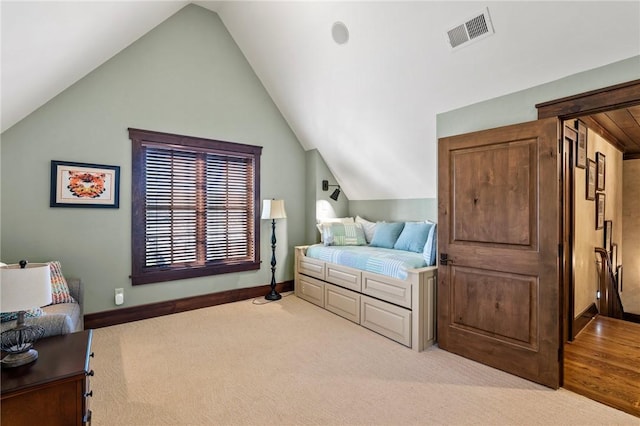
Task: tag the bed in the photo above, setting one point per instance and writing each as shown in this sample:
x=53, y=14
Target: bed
x=383, y=289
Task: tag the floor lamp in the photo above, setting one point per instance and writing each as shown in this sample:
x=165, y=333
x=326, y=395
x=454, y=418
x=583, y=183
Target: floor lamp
x=273, y=209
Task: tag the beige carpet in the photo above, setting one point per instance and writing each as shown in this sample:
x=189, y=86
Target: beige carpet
x=290, y=362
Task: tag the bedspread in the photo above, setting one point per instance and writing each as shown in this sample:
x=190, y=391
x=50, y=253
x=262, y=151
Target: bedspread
x=389, y=262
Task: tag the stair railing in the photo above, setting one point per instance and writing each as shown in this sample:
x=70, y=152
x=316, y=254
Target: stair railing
x=610, y=301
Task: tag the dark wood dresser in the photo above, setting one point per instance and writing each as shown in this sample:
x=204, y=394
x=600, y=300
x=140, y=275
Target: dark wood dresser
x=53, y=390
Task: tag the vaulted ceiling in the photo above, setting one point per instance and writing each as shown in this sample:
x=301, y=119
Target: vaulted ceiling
x=369, y=105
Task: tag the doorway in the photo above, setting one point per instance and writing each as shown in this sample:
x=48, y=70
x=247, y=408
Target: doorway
x=614, y=113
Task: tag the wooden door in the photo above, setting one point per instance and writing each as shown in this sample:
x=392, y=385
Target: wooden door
x=499, y=214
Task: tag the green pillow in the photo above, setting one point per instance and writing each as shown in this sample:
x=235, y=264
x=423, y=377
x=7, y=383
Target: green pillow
x=343, y=234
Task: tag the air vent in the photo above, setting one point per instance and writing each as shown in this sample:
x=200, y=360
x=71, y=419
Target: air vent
x=474, y=29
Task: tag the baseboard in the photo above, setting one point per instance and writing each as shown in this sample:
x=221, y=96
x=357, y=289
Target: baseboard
x=628, y=316
x=152, y=310
x=583, y=319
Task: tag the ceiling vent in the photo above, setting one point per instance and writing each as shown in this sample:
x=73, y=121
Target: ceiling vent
x=473, y=29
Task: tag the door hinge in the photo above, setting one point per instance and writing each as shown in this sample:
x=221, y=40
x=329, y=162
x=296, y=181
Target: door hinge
x=444, y=259
x=560, y=250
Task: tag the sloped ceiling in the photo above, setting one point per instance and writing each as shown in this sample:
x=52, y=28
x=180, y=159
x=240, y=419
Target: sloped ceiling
x=369, y=106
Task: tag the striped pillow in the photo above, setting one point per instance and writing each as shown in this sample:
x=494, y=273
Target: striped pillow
x=59, y=288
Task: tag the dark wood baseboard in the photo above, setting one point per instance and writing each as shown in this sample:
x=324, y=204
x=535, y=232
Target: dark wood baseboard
x=583, y=319
x=152, y=310
x=628, y=316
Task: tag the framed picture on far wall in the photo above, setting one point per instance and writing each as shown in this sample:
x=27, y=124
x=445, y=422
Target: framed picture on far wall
x=608, y=229
x=581, y=145
x=84, y=185
x=600, y=166
x=590, y=193
x=599, y=210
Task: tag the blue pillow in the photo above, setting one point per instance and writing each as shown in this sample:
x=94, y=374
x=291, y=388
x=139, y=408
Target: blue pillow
x=413, y=237
x=431, y=246
x=386, y=234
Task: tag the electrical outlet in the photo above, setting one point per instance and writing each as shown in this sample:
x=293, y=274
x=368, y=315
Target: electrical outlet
x=119, y=296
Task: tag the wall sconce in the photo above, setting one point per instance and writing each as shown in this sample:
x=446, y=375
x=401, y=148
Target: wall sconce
x=336, y=192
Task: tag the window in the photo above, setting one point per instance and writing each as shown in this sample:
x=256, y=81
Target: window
x=193, y=207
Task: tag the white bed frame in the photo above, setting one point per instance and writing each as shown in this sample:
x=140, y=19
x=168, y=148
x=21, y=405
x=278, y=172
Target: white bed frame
x=403, y=311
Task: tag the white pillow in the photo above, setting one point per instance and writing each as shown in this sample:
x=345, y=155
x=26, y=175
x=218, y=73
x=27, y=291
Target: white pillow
x=368, y=227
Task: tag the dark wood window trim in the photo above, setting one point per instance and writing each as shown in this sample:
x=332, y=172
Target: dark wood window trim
x=232, y=169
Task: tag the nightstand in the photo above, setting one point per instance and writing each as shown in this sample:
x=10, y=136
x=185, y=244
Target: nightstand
x=55, y=389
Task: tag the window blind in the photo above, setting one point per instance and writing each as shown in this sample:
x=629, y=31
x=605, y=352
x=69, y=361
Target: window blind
x=198, y=210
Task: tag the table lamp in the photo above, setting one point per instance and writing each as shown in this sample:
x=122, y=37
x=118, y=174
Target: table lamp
x=23, y=287
x=273, y=209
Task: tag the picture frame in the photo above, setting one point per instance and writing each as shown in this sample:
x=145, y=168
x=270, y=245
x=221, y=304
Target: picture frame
x=84, y=185
x=600, y=200
x=581, y=145
x=600, y=167
x=614, y=257
x=608, y=229
x=590, y=192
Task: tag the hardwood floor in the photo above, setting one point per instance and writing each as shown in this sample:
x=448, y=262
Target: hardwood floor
x=603, y=363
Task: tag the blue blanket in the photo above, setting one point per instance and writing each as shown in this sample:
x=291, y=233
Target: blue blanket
x=389, y=262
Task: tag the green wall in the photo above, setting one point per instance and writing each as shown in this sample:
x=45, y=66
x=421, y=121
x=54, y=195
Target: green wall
x=186, y=76
x=519, y=107
x=396, y=210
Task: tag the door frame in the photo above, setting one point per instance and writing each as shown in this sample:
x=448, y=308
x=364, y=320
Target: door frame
x=571, y=107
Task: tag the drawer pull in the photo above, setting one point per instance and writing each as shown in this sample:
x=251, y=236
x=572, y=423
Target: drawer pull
x=88, y=394
x=90, y=373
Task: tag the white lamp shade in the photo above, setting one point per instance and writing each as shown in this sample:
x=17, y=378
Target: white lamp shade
x=273, y=209
x=23, y=289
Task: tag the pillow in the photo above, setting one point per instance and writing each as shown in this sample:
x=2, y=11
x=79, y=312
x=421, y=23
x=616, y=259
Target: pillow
x=12, y=316
x=332, y=220
x=413, y=237
x=368, y=227
x=386, y=234
x=59, y=288
x=431, y=246
x=343, y=234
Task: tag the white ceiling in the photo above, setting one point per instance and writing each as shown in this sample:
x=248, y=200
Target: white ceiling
x=369, y=106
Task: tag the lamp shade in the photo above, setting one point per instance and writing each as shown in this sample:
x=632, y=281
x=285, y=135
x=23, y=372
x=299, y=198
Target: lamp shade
x=23, y=289
x=273, y=209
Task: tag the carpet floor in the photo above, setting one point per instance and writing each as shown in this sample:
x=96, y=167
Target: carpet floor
x=290, y=362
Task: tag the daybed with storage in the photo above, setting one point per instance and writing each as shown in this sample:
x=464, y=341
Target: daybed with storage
x=400, y=307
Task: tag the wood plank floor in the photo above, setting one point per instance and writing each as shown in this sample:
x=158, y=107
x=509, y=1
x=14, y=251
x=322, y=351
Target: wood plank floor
x=603, y=363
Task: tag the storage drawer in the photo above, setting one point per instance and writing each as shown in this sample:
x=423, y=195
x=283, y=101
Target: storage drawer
x=344, y=276
x=389, y=320
x=310, y=289
x=393, y=290
x=342, y=302
x=311, y=267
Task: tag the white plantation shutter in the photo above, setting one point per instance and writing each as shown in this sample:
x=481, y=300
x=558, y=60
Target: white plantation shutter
x=199, y=208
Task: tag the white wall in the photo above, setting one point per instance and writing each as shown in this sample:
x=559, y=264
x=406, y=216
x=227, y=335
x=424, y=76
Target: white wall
x=631, y=236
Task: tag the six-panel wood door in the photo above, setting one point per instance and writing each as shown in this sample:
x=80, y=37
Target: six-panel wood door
x=499, y=298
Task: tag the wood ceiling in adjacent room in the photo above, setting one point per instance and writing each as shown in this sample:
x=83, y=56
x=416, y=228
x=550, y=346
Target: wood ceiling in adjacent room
x=624, y=125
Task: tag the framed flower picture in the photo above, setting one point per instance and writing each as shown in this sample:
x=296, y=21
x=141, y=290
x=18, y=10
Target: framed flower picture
x=84, y=185
x=581, y=145
x=600, y=210
x=600, y=166
x=590, y=193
